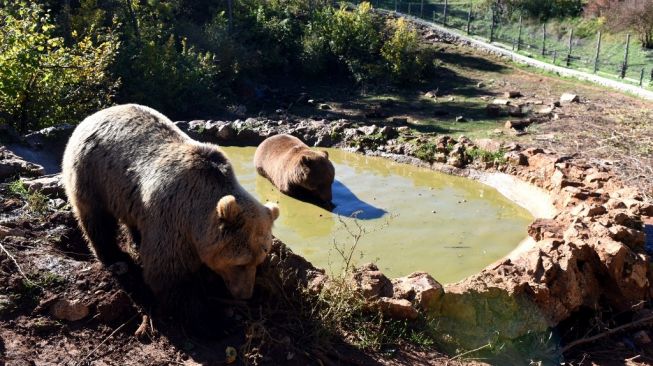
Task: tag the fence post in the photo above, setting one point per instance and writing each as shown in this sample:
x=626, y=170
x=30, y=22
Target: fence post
x=492, y=27
x=409, y=7
x=624, y=66
x=396, y=5
x=543, y=39
x=469, y=17
x=433, y=16
x=571, y=37
x=641, y=78
x=421, y=9
x=555, y=56
x=446, y=5
x=598, y=50
x=519, y=33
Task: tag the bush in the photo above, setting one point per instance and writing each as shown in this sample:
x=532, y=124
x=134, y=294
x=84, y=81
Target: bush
x=406, y=59
x=351, y=38
x=45, y=81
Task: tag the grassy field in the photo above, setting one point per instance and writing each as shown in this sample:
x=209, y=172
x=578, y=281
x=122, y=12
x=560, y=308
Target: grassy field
x=584, y=41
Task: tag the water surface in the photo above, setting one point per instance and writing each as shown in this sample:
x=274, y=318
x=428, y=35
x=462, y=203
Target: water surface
x=409, y=218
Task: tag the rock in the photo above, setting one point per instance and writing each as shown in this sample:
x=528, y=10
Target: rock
x=516, y=158
x=588, y=210
x=53, y=138
x=372, y=283
x=545, y=110
x=488, y=145
x=631, y=237
x=48, y=185
x=419, y=288
x=480, y=84
x=461, y=119
x=325, y=107
x=225, y=132
x=545, y=229
x=499, y=101
x=114, y=307
x=388, y=132
x=70, y=310
x=399, y=309
x=12, y=166
x=6, y=304
x=368, y=130
x=512, y=94
x=569, y=98
x=493, y=110
x=432, y=93
x=641, y=338
x=519, y=124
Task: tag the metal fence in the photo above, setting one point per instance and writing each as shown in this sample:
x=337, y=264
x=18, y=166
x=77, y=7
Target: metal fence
x=560, y=45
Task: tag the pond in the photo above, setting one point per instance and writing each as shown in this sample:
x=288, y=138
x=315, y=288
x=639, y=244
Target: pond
x=401, y=217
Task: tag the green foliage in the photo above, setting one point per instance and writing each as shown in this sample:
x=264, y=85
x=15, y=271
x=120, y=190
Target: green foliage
x=407, y=60
x=351, y=38
x=426, y=151
x=45, y=81
x=36, y=201
x=486, y=156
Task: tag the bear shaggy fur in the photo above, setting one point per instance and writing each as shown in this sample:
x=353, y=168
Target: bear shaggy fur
x=179, y=198
x=295, y=169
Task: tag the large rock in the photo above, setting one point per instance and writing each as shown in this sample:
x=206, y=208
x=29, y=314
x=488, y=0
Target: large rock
x=371, y=282
x=70, y=310
x=50, y=186
x=419, y=288
x=12, y=166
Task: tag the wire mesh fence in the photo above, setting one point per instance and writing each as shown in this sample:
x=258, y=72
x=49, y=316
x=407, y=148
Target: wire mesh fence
x=608, y=55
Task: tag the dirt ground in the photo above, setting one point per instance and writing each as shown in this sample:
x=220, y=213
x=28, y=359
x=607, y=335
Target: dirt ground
x=123, y=328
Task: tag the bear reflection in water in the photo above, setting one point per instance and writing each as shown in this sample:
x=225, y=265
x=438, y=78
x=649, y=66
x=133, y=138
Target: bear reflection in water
x=345, y=203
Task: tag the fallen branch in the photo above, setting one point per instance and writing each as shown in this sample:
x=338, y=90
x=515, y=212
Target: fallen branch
x=607, y=333
x=470, y=351
x=20, y=270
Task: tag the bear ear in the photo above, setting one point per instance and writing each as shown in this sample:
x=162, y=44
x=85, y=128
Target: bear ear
x=305, y=160
x=274, y=210
x=228, y=209
x=325, y=153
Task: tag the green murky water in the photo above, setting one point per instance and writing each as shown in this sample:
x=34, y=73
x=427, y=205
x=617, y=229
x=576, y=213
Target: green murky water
x=409, y=218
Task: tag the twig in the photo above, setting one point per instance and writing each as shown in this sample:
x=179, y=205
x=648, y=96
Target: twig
x=607, y=333
x=105, y=340
x=470, y=351
x=20, y=270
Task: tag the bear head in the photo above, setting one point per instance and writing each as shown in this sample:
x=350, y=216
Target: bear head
x=317, y=174
x=241, y=240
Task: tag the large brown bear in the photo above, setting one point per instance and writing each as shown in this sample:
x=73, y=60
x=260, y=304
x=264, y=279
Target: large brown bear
x=295, y=169
x=179, y=198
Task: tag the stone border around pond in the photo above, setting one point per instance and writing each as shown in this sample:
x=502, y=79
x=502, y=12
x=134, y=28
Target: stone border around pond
x=589, y=255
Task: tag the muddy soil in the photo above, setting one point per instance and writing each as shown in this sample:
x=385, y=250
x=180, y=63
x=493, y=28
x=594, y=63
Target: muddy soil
x=59, y=305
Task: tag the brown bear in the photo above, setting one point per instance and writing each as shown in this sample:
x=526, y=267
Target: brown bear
x=295, y=169
x=130, y=164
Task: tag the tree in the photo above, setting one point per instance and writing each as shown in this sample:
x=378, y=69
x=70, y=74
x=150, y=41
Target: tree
x=44, y=81
x=636, y=16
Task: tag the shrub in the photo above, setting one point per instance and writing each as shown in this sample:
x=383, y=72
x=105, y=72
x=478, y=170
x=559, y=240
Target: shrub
x=406, y=59
x=44, y=81
x=350, y=38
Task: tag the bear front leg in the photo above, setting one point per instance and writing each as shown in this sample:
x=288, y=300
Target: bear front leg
x=101, y=229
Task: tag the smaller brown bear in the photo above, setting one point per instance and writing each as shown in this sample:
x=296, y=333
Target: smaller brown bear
x=295, y=169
